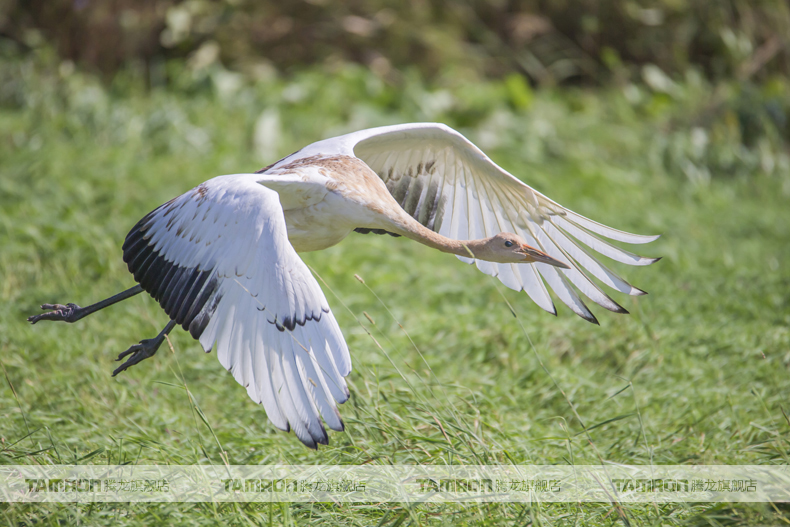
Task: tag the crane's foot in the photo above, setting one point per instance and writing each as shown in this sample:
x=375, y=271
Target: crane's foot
x=68, y=313
x=139, y=352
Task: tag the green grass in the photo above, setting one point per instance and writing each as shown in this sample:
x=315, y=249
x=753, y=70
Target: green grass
x=697, y=374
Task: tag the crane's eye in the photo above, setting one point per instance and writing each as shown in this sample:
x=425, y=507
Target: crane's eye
x=508, y=244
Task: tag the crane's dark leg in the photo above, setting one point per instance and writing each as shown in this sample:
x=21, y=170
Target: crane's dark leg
x=72, y=312
x=146, y=348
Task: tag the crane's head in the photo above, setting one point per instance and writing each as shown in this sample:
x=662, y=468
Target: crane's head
x=507, y=247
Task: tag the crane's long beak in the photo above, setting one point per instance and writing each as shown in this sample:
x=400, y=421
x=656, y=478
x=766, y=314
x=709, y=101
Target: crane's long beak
x=534, y=255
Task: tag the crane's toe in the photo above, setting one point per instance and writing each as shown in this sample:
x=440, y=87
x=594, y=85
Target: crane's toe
x=139, y=352
x=68, y=313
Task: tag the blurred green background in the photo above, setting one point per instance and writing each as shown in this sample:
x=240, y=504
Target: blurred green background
x=670, y=117
x=551, y=42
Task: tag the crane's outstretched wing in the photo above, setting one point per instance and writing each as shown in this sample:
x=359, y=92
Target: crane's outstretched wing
x=449, y=185
x=219, y=262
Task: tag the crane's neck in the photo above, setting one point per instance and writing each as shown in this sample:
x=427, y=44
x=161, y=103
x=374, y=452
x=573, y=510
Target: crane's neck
x=412, y=229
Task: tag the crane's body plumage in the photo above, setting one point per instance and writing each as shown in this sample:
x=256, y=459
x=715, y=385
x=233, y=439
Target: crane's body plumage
x=325, y=197
x=222, y=258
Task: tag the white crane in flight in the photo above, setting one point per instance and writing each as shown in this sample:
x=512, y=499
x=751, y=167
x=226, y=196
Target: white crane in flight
x=222, y=259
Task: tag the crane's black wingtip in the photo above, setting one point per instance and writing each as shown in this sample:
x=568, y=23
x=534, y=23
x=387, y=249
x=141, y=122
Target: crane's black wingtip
x=342, y=427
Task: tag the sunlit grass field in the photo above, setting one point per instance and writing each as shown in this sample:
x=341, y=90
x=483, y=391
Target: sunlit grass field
x=698, y=373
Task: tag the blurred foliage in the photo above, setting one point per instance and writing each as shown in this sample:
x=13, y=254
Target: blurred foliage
x=690, y=127
x=548, y=41
x=715, y=74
